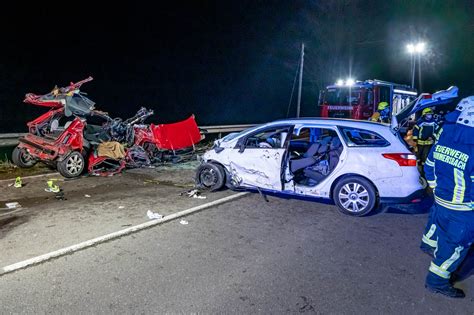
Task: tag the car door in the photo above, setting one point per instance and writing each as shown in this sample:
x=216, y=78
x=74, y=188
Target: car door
x=256, y=160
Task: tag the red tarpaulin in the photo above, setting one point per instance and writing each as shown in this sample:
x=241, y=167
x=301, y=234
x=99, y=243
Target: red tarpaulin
x=178, y=135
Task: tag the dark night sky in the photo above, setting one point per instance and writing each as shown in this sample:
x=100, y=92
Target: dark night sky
x=227, y=62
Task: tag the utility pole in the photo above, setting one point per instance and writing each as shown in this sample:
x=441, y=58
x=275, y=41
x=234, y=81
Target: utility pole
x=298, y=108
x=413, y=66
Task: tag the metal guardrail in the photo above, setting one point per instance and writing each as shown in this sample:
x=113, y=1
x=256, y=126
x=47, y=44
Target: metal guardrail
x=224, y=128
x=11, y=139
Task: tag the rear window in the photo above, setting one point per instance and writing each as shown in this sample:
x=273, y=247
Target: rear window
x=364, y=138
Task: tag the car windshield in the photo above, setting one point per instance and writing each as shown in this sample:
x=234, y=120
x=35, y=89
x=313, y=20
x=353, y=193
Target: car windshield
x=341, y=96
x=235, y=135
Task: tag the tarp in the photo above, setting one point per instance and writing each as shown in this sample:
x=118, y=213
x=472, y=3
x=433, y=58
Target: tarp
x=112, y=149
x=178, y=135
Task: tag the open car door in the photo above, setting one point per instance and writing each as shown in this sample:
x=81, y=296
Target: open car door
x=71, y=98
x=256, y=161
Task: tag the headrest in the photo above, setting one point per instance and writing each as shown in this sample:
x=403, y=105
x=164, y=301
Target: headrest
x=335, y=143
x=323, y=148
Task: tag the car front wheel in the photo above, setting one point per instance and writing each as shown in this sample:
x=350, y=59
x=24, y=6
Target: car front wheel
x=355, y=196
x=210, y=176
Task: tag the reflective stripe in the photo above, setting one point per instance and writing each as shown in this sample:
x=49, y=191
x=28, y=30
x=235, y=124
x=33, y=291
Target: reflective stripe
x=472, y=178
x=431, y=231
x=425, y=142
x=458, y=193
x=432, y=243
x=427, y=237
x=438, y=134
x=438, y=271
x=429, y=163
x=453, y=206
x=432, y=183
x=455, y=256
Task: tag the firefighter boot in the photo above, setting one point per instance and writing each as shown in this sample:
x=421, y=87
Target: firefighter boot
x=447, y=290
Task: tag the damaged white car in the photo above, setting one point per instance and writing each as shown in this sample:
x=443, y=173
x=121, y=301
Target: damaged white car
x=356, y=164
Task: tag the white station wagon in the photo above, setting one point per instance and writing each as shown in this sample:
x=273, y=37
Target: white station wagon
x=356, y=164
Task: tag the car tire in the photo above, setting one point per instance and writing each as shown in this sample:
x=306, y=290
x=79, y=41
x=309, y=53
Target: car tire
x=355, y=196
x=210, y=176
x=22, y=158
x=72, y=165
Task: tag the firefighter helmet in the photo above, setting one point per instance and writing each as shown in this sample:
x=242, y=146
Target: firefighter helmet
x=467, y=116
x=427, y=111
x=382, y=105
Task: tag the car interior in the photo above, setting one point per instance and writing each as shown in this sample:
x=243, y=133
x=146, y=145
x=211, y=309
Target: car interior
x=314, y=154
x=270, y=138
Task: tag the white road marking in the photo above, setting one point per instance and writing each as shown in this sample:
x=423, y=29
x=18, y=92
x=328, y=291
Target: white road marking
x=28, y=177
x=104, y=238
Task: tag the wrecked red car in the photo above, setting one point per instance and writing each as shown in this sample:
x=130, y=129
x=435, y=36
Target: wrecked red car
x=68, y=136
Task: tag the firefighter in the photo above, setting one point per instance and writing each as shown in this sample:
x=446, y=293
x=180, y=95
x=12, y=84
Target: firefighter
x=382, y=114
x=449, y=170
x=424, y=135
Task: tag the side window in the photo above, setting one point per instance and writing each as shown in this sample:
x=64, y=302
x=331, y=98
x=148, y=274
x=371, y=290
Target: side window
x=359, y=137
x=271, y=138
x=308, y=137
x=384, y=95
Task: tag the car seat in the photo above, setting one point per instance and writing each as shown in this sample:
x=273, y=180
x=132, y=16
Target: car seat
x=335, y=150
x=311, y=156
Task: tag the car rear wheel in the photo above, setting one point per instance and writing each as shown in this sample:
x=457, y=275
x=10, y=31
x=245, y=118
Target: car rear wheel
x=22, y=158
x=210, y=176
x=355, y=196
x=72, y=165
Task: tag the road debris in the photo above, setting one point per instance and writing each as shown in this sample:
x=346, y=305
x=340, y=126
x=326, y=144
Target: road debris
x=60, y=195
x=121, y=207
x=87, y=196
x=184, y=222
x=13, y=205
x=52, y=187
x=193, y=193
x=18, y=183
x=153, y=215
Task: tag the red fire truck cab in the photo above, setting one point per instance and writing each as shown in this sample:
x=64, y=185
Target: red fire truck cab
x=359, y=99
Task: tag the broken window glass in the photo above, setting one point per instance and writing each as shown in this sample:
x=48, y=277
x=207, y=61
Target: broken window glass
x=359, y=137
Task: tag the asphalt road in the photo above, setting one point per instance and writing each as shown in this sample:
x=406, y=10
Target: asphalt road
x=246, y=256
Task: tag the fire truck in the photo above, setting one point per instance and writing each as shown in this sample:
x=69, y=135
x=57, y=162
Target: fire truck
x=359, y=99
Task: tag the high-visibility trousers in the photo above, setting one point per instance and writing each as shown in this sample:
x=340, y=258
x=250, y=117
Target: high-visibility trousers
x=455, y=231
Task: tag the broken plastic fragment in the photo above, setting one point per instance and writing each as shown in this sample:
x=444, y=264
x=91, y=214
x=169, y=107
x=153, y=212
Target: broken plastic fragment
x=13, y=205
x=153, y=215
x=184, y=222
x=194, y=193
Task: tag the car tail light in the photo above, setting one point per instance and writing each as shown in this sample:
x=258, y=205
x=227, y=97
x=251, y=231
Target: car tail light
x=403, y=159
